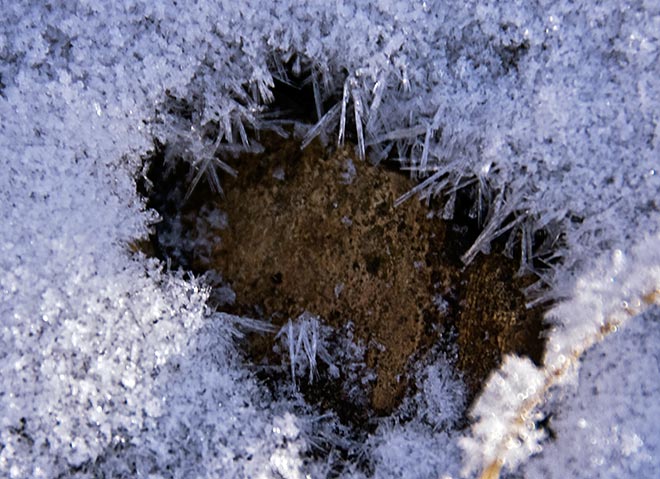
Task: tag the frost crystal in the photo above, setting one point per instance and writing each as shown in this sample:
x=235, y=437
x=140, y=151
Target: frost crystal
x=349, y=173
x=496, y=418
x=304, y=341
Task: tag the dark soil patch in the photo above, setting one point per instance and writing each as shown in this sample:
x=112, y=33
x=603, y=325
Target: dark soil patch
x=316, y=231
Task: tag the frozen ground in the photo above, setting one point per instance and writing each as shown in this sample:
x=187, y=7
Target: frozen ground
x=112, y=368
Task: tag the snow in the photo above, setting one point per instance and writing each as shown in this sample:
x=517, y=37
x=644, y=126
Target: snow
x=113, y=365
x=496, y=414
x=617, y=290
x=611, y=425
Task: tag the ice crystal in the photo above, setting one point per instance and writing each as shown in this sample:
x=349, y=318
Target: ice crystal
x=304, y=341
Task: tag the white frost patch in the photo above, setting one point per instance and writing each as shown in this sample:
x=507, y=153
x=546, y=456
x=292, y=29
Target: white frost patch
x=440, y=303
x=500, y=432
x=349, y=173
x=279, y=174
x=607, y=425
x=287, y=460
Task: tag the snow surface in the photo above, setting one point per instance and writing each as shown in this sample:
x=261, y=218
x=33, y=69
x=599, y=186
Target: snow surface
x=111, y=367
x=609, y=419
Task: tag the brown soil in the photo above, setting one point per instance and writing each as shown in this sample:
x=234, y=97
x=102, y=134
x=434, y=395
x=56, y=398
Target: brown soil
x=317, y=231
x=493, y=320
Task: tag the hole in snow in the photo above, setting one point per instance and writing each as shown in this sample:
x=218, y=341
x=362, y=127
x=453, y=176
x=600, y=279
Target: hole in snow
x=360, y=292
x=279, y=245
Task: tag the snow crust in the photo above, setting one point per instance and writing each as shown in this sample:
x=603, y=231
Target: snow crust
x=606, y=419
x=112, y=368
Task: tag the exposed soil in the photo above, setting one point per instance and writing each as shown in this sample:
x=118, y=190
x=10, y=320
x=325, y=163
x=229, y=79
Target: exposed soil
x=316, y=231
